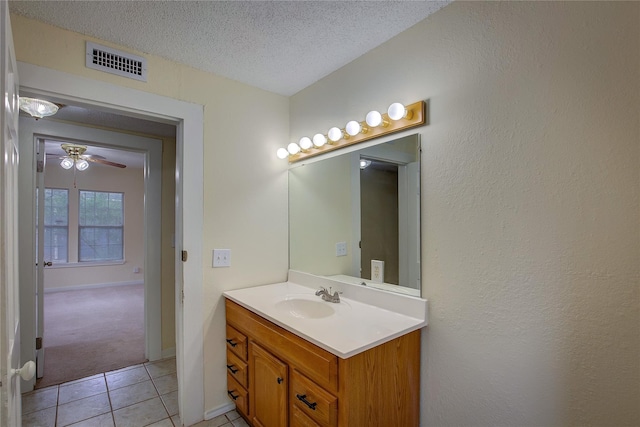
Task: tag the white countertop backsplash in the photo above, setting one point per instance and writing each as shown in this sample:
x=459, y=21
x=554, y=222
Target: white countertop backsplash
x=365, y=317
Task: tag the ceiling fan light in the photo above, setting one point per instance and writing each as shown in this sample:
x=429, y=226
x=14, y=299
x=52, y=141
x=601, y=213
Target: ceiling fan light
x=82, y=165
x=37, y=108
x=66, y=163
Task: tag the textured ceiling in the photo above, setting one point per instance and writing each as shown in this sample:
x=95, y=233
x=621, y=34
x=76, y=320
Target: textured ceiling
x=279, y=46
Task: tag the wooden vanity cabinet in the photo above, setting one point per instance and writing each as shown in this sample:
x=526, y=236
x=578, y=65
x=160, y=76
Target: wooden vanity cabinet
x=292, y=382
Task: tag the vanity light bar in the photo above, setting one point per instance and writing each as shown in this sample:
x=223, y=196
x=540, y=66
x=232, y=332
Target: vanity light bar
x=397, y=118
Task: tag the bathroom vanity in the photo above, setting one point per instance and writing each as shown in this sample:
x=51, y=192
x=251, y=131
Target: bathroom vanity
x=296, y=360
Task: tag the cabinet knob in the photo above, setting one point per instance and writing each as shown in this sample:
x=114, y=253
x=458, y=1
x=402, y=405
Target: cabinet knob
x=303, y=399
x=280, y=380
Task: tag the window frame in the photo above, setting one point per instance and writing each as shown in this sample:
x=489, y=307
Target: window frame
x=107, y=227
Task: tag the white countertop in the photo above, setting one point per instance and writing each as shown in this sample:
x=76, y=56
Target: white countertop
x=353, y=327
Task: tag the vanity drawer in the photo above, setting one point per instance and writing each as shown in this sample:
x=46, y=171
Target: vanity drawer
x=237, y=342
x=299, y=419
x=237, y=368
x=320, y=405
x=238, y=394
x=315, y=362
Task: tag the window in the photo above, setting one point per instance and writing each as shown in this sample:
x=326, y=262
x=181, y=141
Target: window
x=56, y=225
x=101, y=226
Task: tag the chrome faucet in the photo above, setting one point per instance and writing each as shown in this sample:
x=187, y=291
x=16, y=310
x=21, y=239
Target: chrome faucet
x=326, y=295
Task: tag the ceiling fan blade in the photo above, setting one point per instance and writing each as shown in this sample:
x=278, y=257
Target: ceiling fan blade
x=94, y=156
x=104, y=162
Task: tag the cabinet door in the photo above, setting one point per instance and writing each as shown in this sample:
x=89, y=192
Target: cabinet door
x=269, y=382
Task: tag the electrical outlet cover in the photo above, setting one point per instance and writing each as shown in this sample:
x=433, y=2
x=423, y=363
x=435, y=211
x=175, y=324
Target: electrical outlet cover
x=341, y=249
x=377, y=271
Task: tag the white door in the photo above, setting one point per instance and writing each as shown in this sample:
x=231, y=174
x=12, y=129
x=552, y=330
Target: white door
x=10, y=403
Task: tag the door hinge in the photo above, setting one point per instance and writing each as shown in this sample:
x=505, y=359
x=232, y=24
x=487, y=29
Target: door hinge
x=184, y=256
x=40, y=166
x=182, y=296
x=38, y=343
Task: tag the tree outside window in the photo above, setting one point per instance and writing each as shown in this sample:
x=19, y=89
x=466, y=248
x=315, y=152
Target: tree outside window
x=101, y=226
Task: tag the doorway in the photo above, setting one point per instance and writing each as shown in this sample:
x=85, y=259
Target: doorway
x=90, y=237
x=189, y=206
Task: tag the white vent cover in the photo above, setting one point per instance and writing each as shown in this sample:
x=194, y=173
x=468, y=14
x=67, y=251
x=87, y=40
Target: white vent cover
x=117, y=62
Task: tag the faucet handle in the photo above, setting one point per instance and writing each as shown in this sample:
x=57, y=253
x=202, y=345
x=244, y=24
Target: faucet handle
x=321, y=291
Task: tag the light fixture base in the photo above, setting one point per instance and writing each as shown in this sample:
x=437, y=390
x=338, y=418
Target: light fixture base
x=416, y=116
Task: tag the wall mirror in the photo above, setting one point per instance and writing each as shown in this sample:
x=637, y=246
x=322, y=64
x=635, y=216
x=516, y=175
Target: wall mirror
x=355, y=216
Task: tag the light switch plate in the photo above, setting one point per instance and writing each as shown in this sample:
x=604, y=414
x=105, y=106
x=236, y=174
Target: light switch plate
x=221, y=258
x=341, y=249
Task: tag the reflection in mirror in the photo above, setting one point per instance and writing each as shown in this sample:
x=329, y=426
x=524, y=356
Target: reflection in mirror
x=356, y=216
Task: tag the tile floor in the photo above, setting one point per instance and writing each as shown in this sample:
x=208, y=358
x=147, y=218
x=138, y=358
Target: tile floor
x=137, y=396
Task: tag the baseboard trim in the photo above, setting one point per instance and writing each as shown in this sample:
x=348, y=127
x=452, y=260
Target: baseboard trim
x=220, y=410
x=93, y=286
x=168, y=352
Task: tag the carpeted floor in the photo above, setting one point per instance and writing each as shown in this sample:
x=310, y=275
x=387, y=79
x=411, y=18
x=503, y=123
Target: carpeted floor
x=88, y=332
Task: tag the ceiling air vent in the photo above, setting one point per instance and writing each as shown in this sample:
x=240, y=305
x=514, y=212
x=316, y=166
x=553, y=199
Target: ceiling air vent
x=117, y=62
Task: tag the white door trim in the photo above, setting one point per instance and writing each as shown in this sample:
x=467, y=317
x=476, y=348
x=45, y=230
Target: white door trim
x=31, y=132
x=189, y=194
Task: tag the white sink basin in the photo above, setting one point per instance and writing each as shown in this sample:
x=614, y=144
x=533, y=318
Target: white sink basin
x=305, y=308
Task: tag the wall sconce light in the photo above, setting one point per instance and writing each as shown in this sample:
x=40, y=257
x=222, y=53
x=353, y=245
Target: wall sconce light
x=397, y=111
x=374, y=119
x=293, y=148
x=37, y=108
x=397, y=118
x=336, y=134
x=319, y=140
x=305, y=143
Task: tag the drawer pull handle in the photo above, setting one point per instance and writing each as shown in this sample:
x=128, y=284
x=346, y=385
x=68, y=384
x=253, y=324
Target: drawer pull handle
x=233, y=371
x=231, y=343
x=303, y=399
x=230, y=393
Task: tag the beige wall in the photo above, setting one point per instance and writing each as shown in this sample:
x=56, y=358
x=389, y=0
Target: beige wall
x=245, y=184
x=530, y=211
x=129, y=181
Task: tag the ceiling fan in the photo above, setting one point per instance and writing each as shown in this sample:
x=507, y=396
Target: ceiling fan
x=76, y=157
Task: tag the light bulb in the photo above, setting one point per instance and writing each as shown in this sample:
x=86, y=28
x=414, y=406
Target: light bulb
x=66, y=163
x=82, y=164
x=305, y=143
x=397, y=111
x=374, y=118
x=364, y=163
x=353, y=128
x=334, y=134
x=282, y=153
x=319, y=140
x=293, y=148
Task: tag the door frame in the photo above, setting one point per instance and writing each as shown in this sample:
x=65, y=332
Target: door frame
x=188, y=118
x=32, y=132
